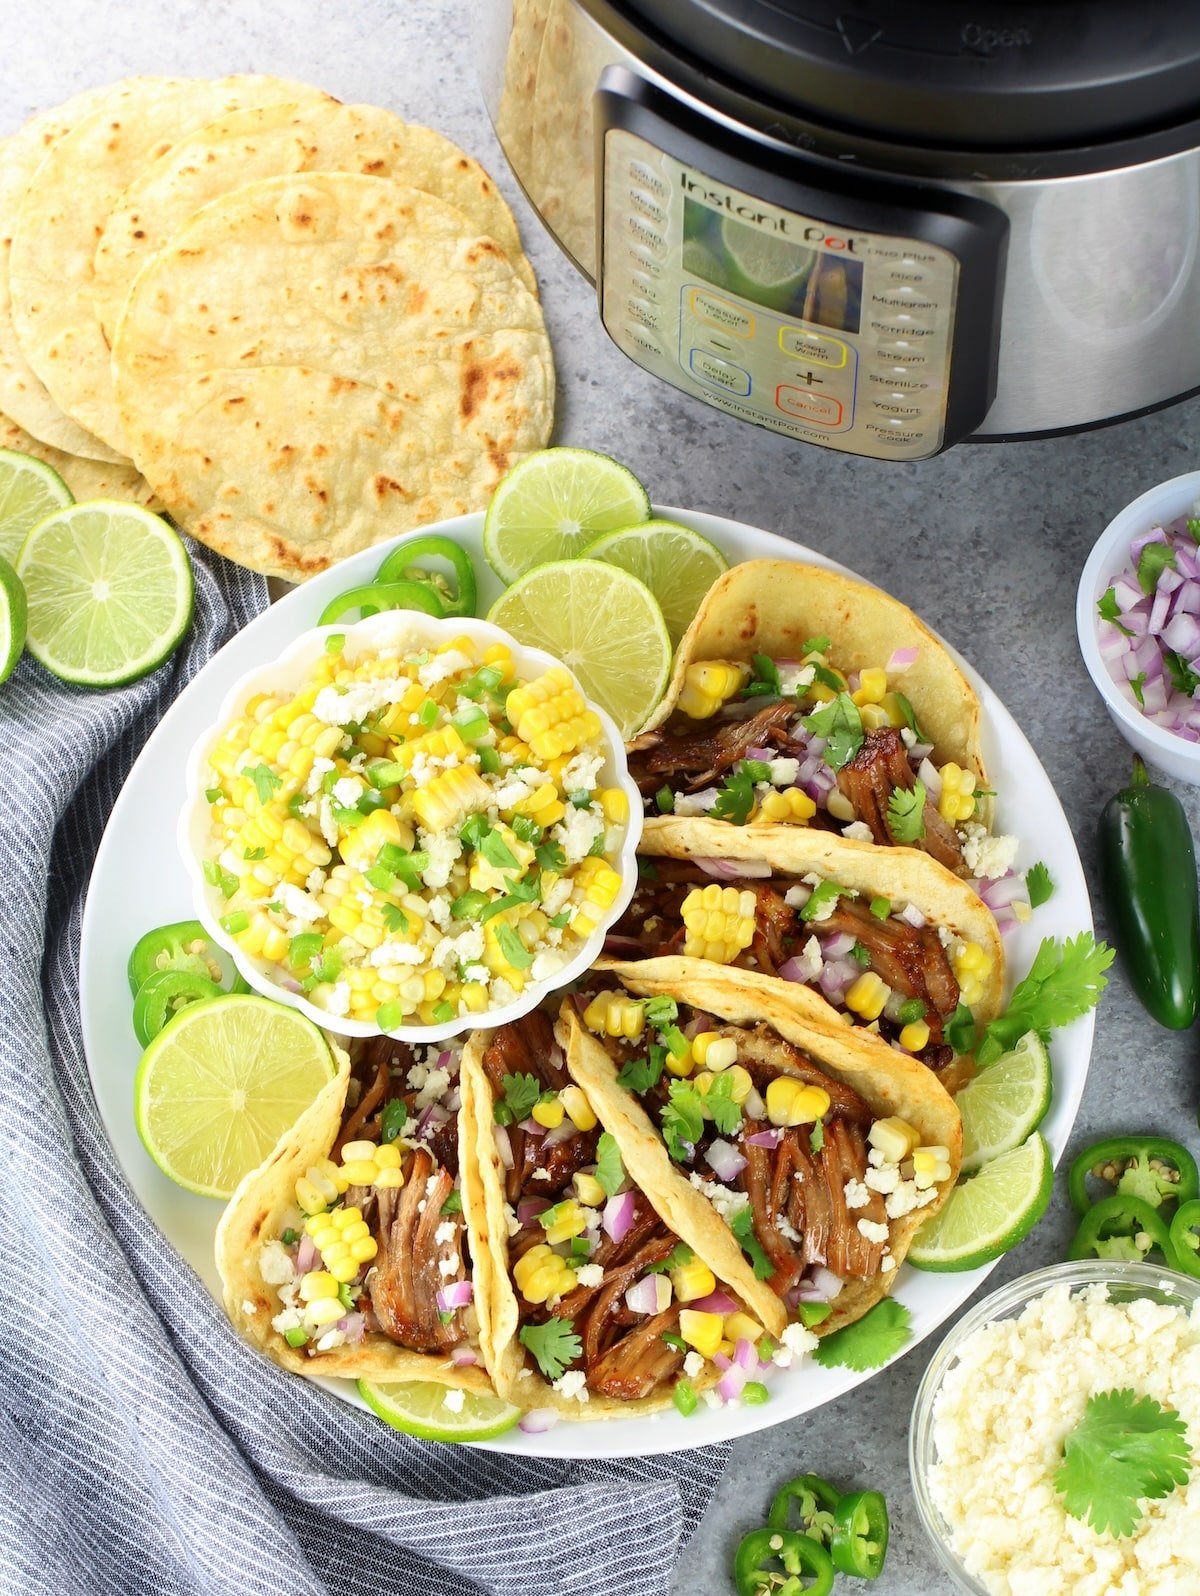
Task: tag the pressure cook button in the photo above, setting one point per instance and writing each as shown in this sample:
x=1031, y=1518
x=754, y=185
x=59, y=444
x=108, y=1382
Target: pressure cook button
x=719, y=373
x=896, y=432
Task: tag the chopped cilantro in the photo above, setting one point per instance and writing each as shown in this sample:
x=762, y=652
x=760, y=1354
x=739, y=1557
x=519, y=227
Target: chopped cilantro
x=395, y=919
x=815, y=645
x=682, y=1120
x=959, y=1029
x=266, y=782
x=816, y=1136
x=660, y=1011
x=553, y=1345
x=1136, y=684
x=840, y=723
x=561, y=919
x=254, y=853
x=610, y=1171
x=646, y=868
x=289, y=1237
x=473, y=830
x=596, y=851
x=1125, y=1450
x=1040, y=884
x=580, y=797
x=513, y=949
x=825, y=892
x=521, y=1092
x=736, y=797
x=453, y=1203
x=1152, y=562
x=861, y=954
x=1065, y=980
x=525, y=829
x=497, y=852
x=911, y=1011
x=906, y=813
x=869, y=1342
x=640, y=1074
x=765, y=682
x=718, y=1101
x=393, y=1119
x=551, y=857
x=679, y=1255
x=1183, y=678
x=757, y=769
x=742, y=1225
x=828, y=678
x=910, y=716
x=1107, y=607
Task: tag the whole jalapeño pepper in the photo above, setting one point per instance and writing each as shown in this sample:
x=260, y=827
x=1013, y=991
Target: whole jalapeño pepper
x=799, y=1555
x=1149, y=869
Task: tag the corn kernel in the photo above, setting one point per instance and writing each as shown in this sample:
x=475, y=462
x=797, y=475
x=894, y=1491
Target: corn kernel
x=693, y=1281
x=914, y=1036
x=326, y=1310
x=549, y=1114
x=930, y=1164
x=364, y=1249
x=316, y=1284
x=681, y=1064
x=614, y=1014
x=741, y=1327
x=713, y=1051
x=360, y=1171
x=704, y=1331
x=326, y=1236
x=741, y=1083
x=308, y=1197
x=387, y=1156
x=588, y=1189
x=957, y=798
x=791, y=806
x=474, y=997
x=719, y=922
x=344, y=1269
x=972, y=965
x=872, y=685
x=388, y=1180
x=360, y=847
x=708, y=685
x=615, y=804
x=351, y=1151
x=579, y=1110
x=794, y=1102
x=565, y=1220
x=867, y=996
x=894, y=1137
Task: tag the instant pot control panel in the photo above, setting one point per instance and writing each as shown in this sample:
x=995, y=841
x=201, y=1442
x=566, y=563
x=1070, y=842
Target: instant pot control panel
x=817, y=322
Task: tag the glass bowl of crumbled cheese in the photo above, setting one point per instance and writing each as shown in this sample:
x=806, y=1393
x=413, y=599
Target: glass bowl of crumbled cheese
x=1055, y=1438
x=410, y=826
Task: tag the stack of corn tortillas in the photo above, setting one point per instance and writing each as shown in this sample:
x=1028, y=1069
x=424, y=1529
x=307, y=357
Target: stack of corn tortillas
x=307, y=326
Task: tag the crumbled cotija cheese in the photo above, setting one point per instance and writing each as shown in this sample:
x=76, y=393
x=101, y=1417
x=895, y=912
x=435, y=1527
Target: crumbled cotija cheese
x=1018, y=1387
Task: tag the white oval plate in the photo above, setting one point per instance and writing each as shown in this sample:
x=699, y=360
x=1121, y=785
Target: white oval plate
x=139, y=881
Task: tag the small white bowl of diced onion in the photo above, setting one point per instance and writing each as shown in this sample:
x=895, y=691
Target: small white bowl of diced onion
x=364, y=819
x=1137, y=614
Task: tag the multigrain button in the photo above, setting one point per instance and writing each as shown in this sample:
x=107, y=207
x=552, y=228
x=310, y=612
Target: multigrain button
x=904, y=297
x=719, y=373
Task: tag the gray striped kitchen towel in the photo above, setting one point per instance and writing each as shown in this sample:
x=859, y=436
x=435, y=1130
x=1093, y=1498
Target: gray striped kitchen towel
x=145, y=1450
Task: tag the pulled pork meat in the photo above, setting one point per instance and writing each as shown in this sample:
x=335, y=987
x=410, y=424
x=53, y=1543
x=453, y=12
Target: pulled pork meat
x=542, y=1165
x=695, y=755
x=623, y=1353
x=867, y=780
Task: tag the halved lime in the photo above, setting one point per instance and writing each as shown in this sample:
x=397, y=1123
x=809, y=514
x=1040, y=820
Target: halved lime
x=110, y=592
x=12, y=619
x=989, y=1213
x=556, y=502
x=419, y=1407
x=764, y=260
x=30, y=490
x=603, y=624
x=1004, y=1103
x=217, y=1088
x=676, y=564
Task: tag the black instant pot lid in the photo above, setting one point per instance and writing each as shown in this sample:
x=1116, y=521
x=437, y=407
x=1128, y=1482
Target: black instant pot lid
x=985, y=76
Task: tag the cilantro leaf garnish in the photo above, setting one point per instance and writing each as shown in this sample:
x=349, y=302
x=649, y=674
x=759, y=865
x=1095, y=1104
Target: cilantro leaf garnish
x=816, y=1136
x=1106, y=607
x=910, y=716
x=1193, y=528
x=660, y=1011
x=1152, y=562
x=840, y=723
x=1124, y=1450
x=610, y=1171
x=679, y=1255
x=742, y=1225
x=521, y=1092
x=906, y=813
x=682, y=1121
x=266, y=782
x=676, y=1343
x=766, y=678
x=825, y=892
x=1065, y=980
x=551, y=857
x=513, y=949
x=815, y=645
x=718, y=1100
x=959, y=1029
x=1183, y=678
x=553, y=1345
x=736, y=797
x=861, y=954
x=640, y=1074
x=497, y=852
x=1040, y=884
x=1136, y=684
x=827, y=677
x=393, y=1119
x=453, y=1203
x=869, y=1342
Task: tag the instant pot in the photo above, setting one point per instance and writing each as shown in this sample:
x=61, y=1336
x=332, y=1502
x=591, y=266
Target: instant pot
x=876, y=228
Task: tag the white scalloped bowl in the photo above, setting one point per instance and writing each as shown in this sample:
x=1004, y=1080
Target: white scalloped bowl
x=407, y=630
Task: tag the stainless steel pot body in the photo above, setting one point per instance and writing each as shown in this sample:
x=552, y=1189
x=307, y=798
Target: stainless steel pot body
x=1099, y=286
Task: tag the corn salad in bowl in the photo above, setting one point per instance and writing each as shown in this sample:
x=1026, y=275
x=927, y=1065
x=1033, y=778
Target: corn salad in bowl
x=411, y=826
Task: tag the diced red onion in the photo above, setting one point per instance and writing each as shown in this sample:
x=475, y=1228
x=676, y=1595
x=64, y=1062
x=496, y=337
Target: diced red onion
x=1182, y=633
x=753, y=1106
x=693, y=1027
x=1159, y=609
x=556, y=1056
x=560, y=1133
x=1006, y=922
x=456, y=1295
x=729, y=869
x=911, y=915
x=530, y=1207
x=462, y=1357
x=288, y=983
x=837, y=946
x=618, y=1215
x=1147, y=658
x=1156, y=534
x=618, y=947
x=745, y=1355
x=716, y=1302
x=1154, y=697
x=1127, y=593
x=933, y=782
x=1113, y=646
x=724, y=1160
x=642, y=1296
x=826, y=1282
x=307, y=1256
x=446, y=1059
x=452, y=1102
x=537, y=1421
x=433, y=1115
x=895, y=1002
x=901, y=659
x=729, y=1386
x=1186, y=562
x=503, y=1145
x=795, y=969
x=1169, y=580
x=920, y=751
x=721, y=1361
x=1003, y=890
x=798, y=894
x=817, y=745
x=760, y=753
x=353, y=1326
x=766, y=1138
x=836, y=975
x=531, y=1127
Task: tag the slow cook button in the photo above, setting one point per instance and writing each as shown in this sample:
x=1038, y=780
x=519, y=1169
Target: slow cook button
x=719, y=373
x=819, y=410
x=642, y=310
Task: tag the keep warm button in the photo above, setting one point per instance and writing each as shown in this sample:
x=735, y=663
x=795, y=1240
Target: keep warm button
x=817, y=409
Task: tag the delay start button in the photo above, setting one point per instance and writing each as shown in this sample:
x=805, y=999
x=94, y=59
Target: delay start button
x=720, y=373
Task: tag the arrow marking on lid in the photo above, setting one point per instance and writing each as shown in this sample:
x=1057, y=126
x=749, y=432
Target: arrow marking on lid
x=857, y=35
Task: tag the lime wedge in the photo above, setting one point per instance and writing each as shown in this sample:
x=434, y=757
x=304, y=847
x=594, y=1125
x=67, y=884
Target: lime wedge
x=556, y=502
x=1005, y=1103
x=676, y=564
x=418, y=1407
x=30, y=490
x=220, y=1084
x=110, y=592
x=765, y=260
x=12, y=619
x=986, y=1215
x=603, y=624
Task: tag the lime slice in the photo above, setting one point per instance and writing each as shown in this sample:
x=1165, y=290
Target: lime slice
x=676, y=564
x=986, y=1215
x=1005, y=1103
x=765, y=260
x=218, y=1087
x=30, y=490
x=110, y=592
x=12, y=619
x=603, y=624
x=552, y=505
x=418, y=1407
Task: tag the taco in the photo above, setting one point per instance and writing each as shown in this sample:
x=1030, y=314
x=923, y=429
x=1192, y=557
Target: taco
x=589, y=1302
x=801, y=694
x=346, y=1253
x=791, y=1156
x=882, y=938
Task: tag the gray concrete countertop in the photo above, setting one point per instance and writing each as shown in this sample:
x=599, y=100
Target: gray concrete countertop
x=986, y=542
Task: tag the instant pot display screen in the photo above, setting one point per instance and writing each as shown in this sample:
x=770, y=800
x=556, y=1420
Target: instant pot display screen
x=778, y=273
